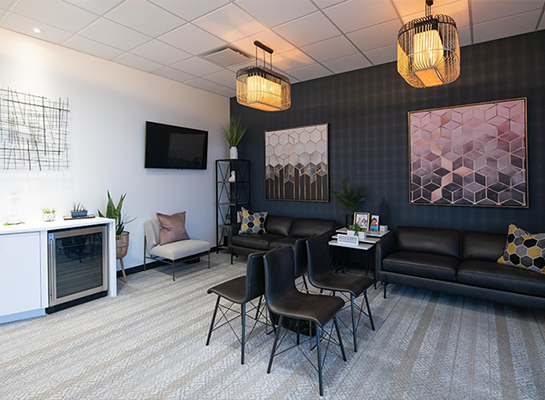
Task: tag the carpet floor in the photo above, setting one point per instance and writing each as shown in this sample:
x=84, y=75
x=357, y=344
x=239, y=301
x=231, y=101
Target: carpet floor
x=149, y=343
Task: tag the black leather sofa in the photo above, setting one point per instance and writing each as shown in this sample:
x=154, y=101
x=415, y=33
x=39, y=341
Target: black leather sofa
x=456, y=262
x=281, y=231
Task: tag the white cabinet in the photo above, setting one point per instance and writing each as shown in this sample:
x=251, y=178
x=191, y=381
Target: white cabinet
x=20, y=277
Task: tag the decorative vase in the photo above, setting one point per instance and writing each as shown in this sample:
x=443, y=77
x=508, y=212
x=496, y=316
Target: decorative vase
x=233, y=153
x=351, y=233
x=362, y=235
x=49, y=217
x=348, y=219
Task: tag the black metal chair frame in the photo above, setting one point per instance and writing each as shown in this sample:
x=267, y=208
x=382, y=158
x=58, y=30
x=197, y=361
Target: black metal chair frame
x=347, y=294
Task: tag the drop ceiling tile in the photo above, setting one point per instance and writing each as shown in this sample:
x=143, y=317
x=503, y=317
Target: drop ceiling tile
x=192, y=39
x=189, y=9
x=270, y=13
x=344, y=64
x=311, y=72
x=174, y=74
x=97, y=7
x=356, y=14
x=268, y=38
x=464, y=36
x=330, y=49
x=409, y=7
x=137, y=62
x=230, y=23
x=292, y=59
x=235, y=68
x=306, y=30
x=224, y=78
x=458, y=10
x=203, y=84
x=323, y=4
x=91, y=47
x=488, y=10
x=510, y=26
x=55, y=13
x=383, y=55
x=145, y=17
x=115, y=35
x=196, y=66
x=5, y=4
x=376, y=36
x=26, y=26
x=160, y=52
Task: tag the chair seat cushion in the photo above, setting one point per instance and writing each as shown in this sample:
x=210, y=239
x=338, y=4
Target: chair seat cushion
x=501, y=277
x=353, y=284
x=287, y=241
x=233, y=290
x=422, y=264
x=309, y=307
x=259, y=241
x=181, y=249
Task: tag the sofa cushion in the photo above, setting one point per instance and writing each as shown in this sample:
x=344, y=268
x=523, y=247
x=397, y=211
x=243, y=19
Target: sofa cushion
x=501, y=277
x=483, y=246
x=444, y=242
x=278, y=225
x=256, y=241
x=307, y=227
x=524, y=250
x=252, y=222
x=425, y=265
x=285, y=241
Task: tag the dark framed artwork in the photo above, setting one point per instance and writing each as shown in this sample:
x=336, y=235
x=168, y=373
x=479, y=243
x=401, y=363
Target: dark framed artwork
x=296, y=164
x=473, y=155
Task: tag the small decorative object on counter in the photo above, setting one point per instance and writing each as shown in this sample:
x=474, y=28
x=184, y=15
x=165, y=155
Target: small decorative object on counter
x=233, y=177
x=78, y=211
x=49, y=214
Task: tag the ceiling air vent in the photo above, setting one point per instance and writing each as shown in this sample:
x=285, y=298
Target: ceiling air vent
x=226, y=57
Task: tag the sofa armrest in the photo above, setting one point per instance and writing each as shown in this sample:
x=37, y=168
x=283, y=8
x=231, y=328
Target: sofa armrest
x=384, y=247
x=233, y=231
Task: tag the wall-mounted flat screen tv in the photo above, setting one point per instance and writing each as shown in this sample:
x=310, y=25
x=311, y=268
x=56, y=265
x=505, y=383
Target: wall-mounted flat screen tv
x=175, y=147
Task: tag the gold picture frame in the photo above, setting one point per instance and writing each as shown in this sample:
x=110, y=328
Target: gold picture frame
x=361, y=219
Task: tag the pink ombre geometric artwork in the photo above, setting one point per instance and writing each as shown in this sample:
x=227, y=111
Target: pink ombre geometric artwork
x=469, y=155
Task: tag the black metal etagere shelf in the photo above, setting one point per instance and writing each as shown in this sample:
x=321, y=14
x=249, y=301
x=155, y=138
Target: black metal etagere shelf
x=232, y=193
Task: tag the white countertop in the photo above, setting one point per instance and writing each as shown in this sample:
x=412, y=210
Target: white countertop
x=59, y=223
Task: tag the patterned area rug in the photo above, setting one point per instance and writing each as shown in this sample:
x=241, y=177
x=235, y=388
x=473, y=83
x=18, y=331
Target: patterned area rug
x=149, y=343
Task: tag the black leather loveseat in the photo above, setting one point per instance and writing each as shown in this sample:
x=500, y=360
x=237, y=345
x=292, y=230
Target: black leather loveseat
x=457, y=262
x=280, y=231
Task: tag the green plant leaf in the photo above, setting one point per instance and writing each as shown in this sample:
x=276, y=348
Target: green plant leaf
x=348, y=197
x=233, y=131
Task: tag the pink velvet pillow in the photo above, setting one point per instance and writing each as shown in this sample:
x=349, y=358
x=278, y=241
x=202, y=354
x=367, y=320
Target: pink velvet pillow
x=172, y=228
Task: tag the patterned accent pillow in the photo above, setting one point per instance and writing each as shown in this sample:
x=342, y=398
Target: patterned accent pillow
x=524, y=250
x=252, y=222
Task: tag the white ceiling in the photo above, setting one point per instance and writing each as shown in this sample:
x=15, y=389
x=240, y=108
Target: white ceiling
x=310, y=38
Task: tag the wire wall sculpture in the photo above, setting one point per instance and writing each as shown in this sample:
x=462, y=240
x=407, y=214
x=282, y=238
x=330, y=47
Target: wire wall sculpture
x=33, y=132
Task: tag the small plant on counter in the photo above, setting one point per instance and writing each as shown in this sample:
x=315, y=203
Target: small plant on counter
x=49, y=214
x=357, y=228
x=78, y=210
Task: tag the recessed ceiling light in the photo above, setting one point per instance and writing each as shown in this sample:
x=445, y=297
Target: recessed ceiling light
x=37, y=30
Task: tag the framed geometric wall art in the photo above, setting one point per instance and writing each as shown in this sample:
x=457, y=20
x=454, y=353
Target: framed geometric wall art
x=296, y=164
x=473, y=155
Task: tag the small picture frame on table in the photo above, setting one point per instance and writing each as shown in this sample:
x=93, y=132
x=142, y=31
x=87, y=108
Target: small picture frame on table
x=373, y=226
x=361, y=219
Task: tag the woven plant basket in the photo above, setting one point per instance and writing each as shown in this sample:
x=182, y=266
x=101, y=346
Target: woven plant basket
x=121, y=244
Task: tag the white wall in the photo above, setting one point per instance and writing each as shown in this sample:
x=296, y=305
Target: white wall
x=109, y=104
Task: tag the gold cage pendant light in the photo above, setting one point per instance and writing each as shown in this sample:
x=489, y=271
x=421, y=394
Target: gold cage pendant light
x=428, y=50
x=262, y=88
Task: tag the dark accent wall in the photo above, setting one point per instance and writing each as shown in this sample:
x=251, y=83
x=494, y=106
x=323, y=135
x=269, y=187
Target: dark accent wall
x=368, y=134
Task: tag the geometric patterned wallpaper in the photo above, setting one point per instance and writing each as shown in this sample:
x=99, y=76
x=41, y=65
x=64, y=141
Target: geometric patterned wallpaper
x=469, y=155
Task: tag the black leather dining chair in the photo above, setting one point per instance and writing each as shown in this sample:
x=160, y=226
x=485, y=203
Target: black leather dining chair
x=241, y=290
x=321, y=275
x=285, y=300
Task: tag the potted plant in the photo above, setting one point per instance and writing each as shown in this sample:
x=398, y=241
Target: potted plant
x=78, y=210
x=233, y=132
x=350, y=198
x=121, y=236
x=357, y=230
x=49, y=214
